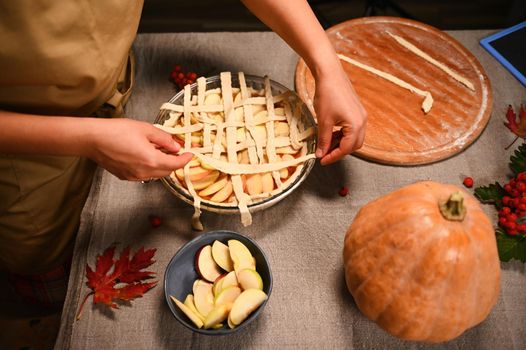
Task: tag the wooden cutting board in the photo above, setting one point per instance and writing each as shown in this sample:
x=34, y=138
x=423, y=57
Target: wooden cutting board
x=398, y=132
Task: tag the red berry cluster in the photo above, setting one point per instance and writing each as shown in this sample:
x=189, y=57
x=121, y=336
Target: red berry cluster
x=514, y=206
x=181, y=79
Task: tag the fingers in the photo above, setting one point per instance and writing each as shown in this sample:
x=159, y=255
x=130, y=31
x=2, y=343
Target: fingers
x=172, y=162
x=335, y=155
x=360, y=139
x=346, y=146
x=164, y=140
x=324, y=139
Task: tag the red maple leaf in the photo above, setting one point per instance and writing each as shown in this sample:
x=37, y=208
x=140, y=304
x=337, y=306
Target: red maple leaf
x=124, y=281
x=517, y=126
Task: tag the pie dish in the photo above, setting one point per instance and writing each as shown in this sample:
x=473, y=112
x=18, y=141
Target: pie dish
x=253, y=142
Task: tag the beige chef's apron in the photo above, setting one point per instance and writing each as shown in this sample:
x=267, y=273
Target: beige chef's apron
x=67, y=57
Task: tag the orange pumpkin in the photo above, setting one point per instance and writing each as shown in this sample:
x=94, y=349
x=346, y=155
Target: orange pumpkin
x=422, y=262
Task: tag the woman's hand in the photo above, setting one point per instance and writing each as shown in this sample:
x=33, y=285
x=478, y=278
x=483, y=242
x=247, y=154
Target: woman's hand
x=335, y=101
x=134, y=150
x=129, y=149
x=336, y=104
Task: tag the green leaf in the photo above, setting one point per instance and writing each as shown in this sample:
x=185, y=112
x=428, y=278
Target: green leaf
x=518, y=159
x=511, y=247
x=492, y=193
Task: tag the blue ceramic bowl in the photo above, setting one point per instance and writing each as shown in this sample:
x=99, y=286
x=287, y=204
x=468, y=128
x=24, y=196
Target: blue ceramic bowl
x=181, y=274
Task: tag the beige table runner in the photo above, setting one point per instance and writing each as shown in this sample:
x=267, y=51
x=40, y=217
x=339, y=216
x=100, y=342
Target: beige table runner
x=302, y=236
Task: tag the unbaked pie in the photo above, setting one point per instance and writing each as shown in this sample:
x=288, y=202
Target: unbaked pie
x=248, y=144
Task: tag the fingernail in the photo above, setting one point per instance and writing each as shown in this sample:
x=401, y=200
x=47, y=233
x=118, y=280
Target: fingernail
x=319, y=153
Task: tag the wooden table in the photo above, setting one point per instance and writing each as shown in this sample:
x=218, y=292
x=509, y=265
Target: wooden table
x=309, y=306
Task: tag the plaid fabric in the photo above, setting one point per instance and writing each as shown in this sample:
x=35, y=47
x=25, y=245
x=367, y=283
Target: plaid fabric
x=45, y=290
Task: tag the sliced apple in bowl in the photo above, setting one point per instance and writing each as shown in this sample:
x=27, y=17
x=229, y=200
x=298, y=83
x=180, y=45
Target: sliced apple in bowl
x=246, y=303
x=241, y=256
x=186, y=310
x=203, y=297
x=229, y=280
x=189, y=302
x=250, y=279
x=227, y=292
x=221, y=255
x=217, y=315
x=205, y=264
x=227, y=296
x=216, y=288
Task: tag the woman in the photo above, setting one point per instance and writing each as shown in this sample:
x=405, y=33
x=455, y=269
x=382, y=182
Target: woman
x=64, y=63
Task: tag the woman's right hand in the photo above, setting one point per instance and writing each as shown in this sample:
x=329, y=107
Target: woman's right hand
x=134, y=150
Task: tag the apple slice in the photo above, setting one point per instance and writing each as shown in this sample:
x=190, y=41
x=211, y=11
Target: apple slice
x=260, y=133
x=254, y=184
x=216, y=186
x=217, y=315
x=241, y=256
x=250, y=279
x=227, y=295
x=221, y=255
x=223, y=193
x=189, y=313
x=245, y=304
x=216, y=288
x=194, y=162
x=203, y=297
x=206, y=181
x=213, y=99
x=195, y=173
x=205, y=264
x=229, y=280
x=286, y=150
x=281, y=129
x=230, y=324
x=189, y=303
x=267, y=182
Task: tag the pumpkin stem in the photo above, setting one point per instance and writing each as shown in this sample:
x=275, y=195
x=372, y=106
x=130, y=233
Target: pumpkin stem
x=454, y=209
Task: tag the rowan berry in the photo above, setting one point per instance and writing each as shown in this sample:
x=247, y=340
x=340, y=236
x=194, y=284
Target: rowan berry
x=512, y=232
x=506, y=200
x=343, y=191
x=521, y=176
x=521, y=227
x=512, y=217
x=508, y=188
x=155, y=221
x=503, y=221
x=521, y=186
x=468, y=182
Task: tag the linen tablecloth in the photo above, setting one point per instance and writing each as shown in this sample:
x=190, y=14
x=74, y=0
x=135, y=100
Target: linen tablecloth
x=302, y=235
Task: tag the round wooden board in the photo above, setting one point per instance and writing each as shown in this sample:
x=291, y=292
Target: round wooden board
x=398, y=132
